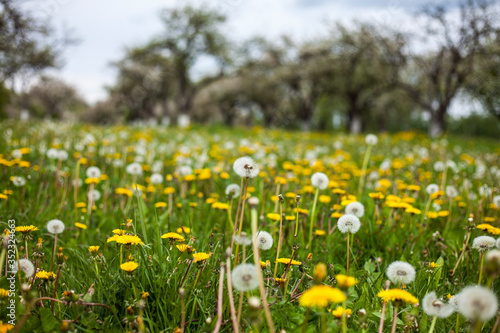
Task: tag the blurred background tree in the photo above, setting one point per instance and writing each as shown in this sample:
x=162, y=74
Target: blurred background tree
x=357, y=77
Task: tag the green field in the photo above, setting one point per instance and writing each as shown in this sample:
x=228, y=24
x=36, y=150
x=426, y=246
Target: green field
x=160, y=216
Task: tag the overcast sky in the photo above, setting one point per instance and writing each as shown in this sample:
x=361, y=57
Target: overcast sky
x=106, y=27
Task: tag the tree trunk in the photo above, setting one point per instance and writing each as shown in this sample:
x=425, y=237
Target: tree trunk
x=437, y=123
x=355, y=121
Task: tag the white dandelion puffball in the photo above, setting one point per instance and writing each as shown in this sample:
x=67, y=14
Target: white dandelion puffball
x=497, y=243
x=94, y=195
x=244, y=277
x=264, y=240
x=242, y=239
x=348, y=223
x=496, y=200
x=117, y=163
x=400, y=272
x=134, y=169
x=477, y=303
x=246, y=167
x=371, y=139
x=156, y=179
x=52, y=154
x=493, y=256
x=484, y=191
x=233, y=190
x=439, y=166
x=451, y=191
x=17, y=154
x=55, y=226
x=483, y=243
x=18, y=181
x=62, y=155
x=435, y=307
x=26, y=266
x=453, y=301
x=319, y=180
x=355, y=208
x=93, y=172
x=253, y=201
x=431, y=189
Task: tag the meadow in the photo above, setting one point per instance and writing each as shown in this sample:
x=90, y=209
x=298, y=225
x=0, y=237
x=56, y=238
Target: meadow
x=208, y=229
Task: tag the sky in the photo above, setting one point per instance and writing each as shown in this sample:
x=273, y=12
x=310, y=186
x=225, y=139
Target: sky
x=105, y=28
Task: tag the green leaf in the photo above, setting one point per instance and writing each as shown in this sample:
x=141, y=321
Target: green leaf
x=49, y=322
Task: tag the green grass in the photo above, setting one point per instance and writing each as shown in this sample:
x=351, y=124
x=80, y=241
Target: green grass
x=394, y=235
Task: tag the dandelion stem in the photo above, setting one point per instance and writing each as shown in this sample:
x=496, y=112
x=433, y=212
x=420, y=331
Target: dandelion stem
x=461, y=254
x=382, y=318
x=394, y=320
x=363, y=169
x=279, y=241
x=220, y=299
x=348, y=236
x=230, y=294
x=241, y=219
x=313, y=216
x=458, y=323
x=53, y=252
x=481, y=269
x=259, y=271
x=433, y=324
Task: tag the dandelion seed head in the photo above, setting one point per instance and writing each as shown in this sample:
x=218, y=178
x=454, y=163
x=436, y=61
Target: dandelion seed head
x=55, y=226
x=483, y=243
x=435, y=307
x=348, y=223
x=93, y=172
x=94, y=195
x=134, y=169
x=371, y=139
x=156, y=179
x=233, y=190
x=246, y=167
x=355, y=208
x=244, y=277
x=400, y=272
x=26, y=266
x=319, y=180
x=477, y=303
x=264, y=240
x=431, y=189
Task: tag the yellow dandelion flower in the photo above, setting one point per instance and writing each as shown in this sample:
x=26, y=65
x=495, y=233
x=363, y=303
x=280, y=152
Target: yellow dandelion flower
x=81, y=205
x=129, y=266
x=321, y=296
x=397, y=295
x=182, y=247
x=93, y=248
x=119, y=232
x=4, y=293
x=344, y=281
x=173, y=236
x=200, y=256
x=274, y=216
x=144, y=295
x=185, y=230
x=80, y=225
x=433, y=265
x=26, y=229
x=489, y=228
x=320, y=232
x=324, y=198
x=288, y=261
x=128, y=240
x=161, y=204
x=45, y=275
x=340, y=311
